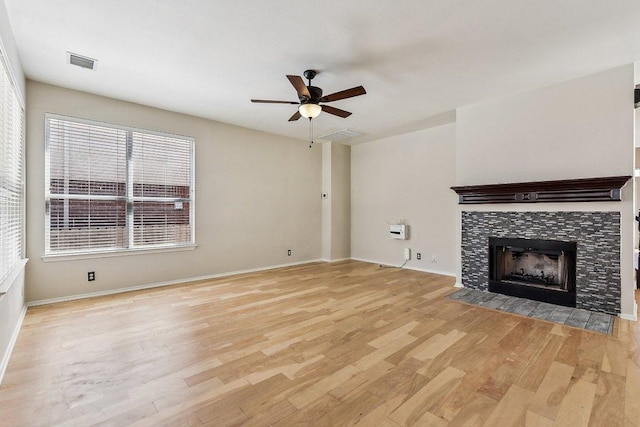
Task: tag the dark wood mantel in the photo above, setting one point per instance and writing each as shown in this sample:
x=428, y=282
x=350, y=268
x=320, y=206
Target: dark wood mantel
x=604, y=189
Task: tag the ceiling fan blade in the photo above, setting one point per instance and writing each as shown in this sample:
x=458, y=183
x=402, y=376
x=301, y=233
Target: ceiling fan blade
x=301, y=88
x=295, y=117
x=268, y=101
x=335, y=111
x=347, y=93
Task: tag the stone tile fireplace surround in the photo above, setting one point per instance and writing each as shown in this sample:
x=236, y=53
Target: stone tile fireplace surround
x=597, y=234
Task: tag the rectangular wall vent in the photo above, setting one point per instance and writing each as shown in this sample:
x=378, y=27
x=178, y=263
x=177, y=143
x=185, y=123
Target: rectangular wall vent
x=82, y=61
x=340, y=135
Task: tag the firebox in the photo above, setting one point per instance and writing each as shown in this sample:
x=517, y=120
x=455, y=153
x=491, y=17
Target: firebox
x=541, y=270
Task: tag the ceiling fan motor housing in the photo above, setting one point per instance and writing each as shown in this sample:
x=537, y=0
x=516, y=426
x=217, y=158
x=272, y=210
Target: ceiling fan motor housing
x=316, y=94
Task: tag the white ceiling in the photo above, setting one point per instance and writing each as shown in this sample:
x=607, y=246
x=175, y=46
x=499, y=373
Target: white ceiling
x=416, y=58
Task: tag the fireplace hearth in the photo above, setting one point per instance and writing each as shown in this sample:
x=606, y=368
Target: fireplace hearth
x=541, y=270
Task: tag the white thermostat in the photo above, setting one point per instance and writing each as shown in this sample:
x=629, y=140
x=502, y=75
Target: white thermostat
x=399, y=231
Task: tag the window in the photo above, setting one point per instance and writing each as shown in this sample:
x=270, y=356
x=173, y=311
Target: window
x=11, y=173
x=112, y=188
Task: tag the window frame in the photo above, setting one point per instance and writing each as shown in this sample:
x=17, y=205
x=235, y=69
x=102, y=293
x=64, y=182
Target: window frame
x=129, y=198
x=9, y=274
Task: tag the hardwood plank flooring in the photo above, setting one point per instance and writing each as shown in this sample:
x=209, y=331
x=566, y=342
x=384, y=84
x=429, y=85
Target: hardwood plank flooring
x=322, y=344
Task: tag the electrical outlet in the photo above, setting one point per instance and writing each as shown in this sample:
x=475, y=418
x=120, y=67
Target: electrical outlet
x=418, y=256
x=434, y=258
x=91, y=276
x=289, y=252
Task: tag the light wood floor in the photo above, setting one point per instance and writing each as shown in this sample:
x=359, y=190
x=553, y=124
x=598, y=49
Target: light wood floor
x=321, y=344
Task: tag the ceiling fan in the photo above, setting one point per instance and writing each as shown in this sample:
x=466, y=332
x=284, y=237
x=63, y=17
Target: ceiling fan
x=310, y=98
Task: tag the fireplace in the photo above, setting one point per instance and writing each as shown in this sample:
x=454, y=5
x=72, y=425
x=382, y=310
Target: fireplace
x=597, y=263
x=597, y=284
x=541, y=270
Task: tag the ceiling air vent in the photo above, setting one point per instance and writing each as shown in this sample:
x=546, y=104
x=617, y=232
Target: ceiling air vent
x=82, y=61
x=340, y=135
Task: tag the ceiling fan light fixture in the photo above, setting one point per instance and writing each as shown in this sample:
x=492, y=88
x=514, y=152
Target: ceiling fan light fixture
x=310, y=111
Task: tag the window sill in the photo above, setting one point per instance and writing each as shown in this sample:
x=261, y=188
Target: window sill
x=5, y=285
x=116, y=253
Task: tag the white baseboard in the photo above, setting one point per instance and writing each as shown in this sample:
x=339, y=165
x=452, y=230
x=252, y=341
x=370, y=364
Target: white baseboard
x=12, y=342
x=161, y=284
x=458, y=285
x=335, y=260
x=408, y=267
x=368, y=261
x=634, y=316
x=427, y=270
x=207, y=277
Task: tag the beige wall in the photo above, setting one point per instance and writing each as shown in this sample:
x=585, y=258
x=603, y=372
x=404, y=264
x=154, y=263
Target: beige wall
x=326, y=202
x=256, y=197
x=406, y=177
x=576, y=129
x=340, y=201
x=336, y=208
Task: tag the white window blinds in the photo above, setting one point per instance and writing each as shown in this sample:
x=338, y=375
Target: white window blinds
x=114, y=188
x=11, y=173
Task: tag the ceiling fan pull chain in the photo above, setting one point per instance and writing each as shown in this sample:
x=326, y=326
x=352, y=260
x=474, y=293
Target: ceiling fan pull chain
x=310, y=132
